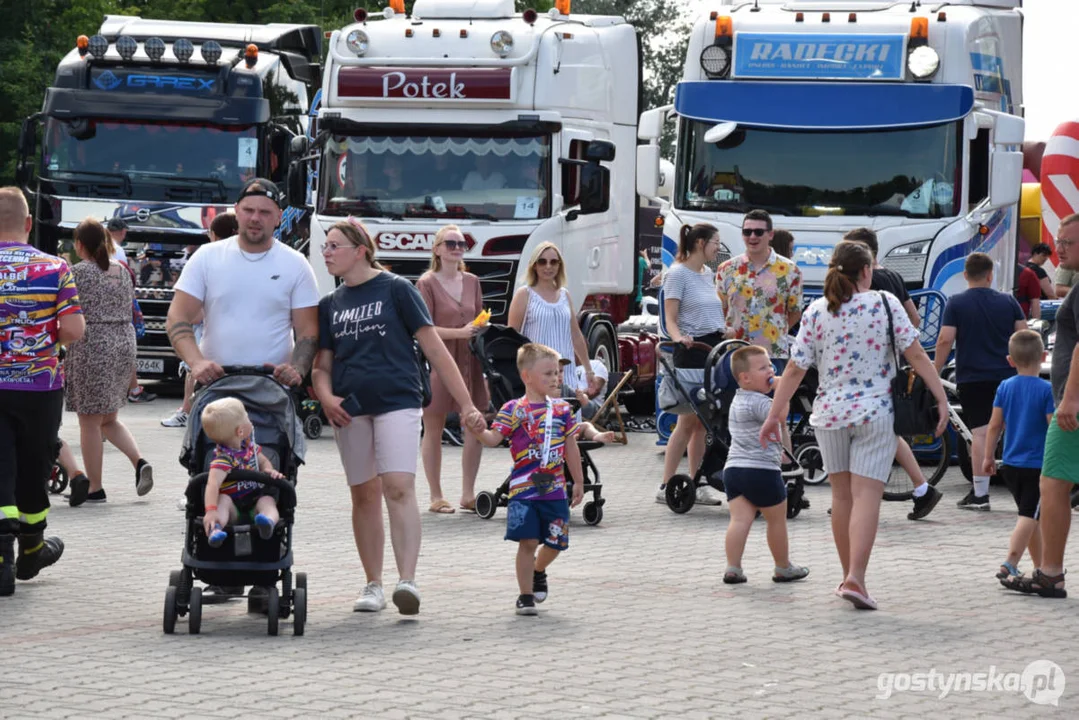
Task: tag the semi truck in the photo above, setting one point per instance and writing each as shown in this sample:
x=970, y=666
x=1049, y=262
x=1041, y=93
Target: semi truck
x=905, y=117
x=159, y=123
x=518, y=127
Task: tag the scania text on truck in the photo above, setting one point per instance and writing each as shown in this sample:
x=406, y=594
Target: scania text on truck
x=905, y=117
x=506, y=124
x=160, y=123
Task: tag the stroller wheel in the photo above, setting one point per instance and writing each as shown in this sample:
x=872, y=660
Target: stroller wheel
x=681, y=493
x=58, y=479
x=812, y=462
x=301, y=581
x=273, y=610
x=486, y=505
x=312, y=427
x=593, y=513
x=794, y=501
x=194, y=612
x=299, y=611
x=169, y=624
x=174, y=578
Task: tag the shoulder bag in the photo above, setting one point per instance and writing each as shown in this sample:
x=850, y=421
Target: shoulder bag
x=914, y=406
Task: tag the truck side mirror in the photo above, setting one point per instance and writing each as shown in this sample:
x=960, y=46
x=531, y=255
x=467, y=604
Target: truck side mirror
x=595, y=195
x=299, y=146
x=1006, y=160
x=296, y=185
x=650, y=126
x=599, y=151
x=648, y=175
x=24, y=167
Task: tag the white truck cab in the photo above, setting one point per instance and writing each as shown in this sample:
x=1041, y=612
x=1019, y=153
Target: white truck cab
x=902, y=117
x=505, y=124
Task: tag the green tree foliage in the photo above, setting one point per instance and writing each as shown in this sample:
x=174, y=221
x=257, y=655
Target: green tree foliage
x=36, y=34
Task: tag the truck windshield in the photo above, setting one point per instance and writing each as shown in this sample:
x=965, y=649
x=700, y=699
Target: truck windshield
x=495, y=176
x=144, y=151
x=909, y=172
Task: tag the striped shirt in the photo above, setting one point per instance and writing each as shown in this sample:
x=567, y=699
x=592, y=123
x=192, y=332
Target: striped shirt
x=749, y=410
x=701, y=311
x=550, y=324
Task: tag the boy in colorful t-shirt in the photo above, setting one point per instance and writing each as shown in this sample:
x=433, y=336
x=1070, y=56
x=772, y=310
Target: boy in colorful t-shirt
x=225, y=422
x=542, y=433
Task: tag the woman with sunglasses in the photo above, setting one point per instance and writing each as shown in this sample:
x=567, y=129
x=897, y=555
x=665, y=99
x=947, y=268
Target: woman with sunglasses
x=454, y=300
x=368, y=379
x=693, y=317
x=543, y=312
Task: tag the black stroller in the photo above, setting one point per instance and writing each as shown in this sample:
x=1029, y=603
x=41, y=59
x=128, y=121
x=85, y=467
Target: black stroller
x=711, y=404
x=496, y=347
x=245, y=559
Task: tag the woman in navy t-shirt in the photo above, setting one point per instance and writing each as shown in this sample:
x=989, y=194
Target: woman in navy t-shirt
x=368, y=380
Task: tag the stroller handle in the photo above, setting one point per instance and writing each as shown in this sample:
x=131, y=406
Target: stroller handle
x=248, y=369
x=670, y=345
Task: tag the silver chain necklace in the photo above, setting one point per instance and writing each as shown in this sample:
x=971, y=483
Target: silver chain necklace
x=260, y=258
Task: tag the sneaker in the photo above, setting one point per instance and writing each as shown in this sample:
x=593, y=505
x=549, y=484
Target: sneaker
x=974, y=502
x=140, y=396
x=708, y=495
x=526, y=605
x=177, y=419
x=181, y=504
x=97, y=496
x=265, y=526
x=371, y=599
x=7, y=565
x=924, y=505
x=661, y=494
x=539, y=586
x=45, y=552
x=407, y=598
x=80, y=490
x=144, y=478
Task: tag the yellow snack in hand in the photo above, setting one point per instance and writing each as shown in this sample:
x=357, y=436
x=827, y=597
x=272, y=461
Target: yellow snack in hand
x=482, y=318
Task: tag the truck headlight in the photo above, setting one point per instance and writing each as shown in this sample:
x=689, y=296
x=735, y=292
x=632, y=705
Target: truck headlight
x=715, y=61
x=909, y=260
x=502, y=43
x=127, y=46
x=357, y=42
x=923, y=61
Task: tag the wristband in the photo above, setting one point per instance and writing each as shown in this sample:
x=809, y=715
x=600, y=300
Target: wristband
x=211, y=507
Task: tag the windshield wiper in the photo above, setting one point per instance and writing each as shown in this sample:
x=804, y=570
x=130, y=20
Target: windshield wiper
x=875, y=210
x=429, y=211
x=94, y=173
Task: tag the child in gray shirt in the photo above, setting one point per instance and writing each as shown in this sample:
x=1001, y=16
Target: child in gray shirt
x=752, y=477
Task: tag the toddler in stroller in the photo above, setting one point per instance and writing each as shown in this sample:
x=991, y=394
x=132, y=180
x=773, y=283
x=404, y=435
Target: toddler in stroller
x=709, y=397
x=496, y=347
x=245, y=554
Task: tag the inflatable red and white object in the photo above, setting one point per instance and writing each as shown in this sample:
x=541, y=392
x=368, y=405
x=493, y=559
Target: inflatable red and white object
x=1059, y=180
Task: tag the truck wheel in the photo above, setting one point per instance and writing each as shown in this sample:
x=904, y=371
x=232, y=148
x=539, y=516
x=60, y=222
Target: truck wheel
x=602, y=347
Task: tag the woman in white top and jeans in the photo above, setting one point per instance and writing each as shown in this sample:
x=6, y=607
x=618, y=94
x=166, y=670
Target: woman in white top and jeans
x=845, y=335
x=693, y=313
x=542, y=311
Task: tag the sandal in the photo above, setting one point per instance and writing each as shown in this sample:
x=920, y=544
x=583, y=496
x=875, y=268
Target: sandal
x=1006, y=570
x=789, y=573
x=1037, y=584
x=441, y=507
x=469, y=508
x=858, y=599
x=734, y=576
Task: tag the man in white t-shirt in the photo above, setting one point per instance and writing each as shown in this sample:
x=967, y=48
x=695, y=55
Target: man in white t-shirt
x=117, y=228
x=253, y=294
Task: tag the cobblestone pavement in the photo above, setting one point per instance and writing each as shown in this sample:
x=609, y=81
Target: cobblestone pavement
x=638, y=623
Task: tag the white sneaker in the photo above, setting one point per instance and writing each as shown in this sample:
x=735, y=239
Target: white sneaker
x=661, y=495
x=371, y=600
x=407, y=598
x=708, y=495
x=181, y=504
x=177, y=419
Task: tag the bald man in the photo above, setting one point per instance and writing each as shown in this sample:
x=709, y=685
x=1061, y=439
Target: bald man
x=39, y=312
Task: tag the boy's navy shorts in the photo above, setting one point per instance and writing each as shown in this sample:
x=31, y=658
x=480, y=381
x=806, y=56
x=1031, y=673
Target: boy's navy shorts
x=762, y=488
x=543, y=520
x=1025, y=486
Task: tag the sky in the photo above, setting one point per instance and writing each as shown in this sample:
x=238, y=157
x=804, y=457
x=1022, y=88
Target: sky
x=1050, y=73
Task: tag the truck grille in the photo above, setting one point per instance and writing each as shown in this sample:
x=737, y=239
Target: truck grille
x=496, y=280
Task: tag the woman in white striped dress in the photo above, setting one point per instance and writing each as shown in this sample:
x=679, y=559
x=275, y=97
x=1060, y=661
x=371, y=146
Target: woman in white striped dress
x=543, y=312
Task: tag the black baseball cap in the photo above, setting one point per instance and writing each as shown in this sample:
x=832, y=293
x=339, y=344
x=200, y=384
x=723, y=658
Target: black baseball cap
x=261, y=187
x=117, y=224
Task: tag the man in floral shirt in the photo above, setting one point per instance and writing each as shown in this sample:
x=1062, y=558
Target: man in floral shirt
x=761, y=291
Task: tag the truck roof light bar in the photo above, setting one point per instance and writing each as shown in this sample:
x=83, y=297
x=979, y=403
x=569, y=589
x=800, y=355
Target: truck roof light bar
x=98, y=46
x=127, y=46
x=919, y=28
x=155, y=48
x=83, y=44
x=183, y=49
x=211, y=51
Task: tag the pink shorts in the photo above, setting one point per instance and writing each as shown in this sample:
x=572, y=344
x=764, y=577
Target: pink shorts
x=373, y=445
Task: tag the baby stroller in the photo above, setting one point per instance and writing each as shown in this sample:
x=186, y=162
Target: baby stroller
x=57, y=480
x=310, y=412
x=245, y=559
x=711, y=404
x=496, y=347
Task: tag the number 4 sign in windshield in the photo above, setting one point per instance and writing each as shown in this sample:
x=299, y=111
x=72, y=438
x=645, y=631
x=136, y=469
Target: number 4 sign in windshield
x=247, y=152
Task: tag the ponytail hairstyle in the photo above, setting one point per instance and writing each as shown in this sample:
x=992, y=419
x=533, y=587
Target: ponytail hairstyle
x=357, y=235
x=841, y=282
x=689, y=236
x=93, y=237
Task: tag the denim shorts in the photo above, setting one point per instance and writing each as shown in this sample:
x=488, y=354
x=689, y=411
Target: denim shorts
x=544, y=520
x=761, y=487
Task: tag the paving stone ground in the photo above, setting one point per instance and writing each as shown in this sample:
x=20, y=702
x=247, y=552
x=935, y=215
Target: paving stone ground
x=638, y=623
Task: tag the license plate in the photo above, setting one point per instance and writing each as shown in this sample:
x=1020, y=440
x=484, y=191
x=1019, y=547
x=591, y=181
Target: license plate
x=149, y=366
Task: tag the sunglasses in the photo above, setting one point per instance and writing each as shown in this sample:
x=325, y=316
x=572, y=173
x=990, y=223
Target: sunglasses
x=455, y=244
x=334, y=247
x=759, y=232
x=544, y=262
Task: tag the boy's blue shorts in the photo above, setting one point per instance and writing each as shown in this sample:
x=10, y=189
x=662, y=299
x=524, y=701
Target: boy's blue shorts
x=544, y=520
